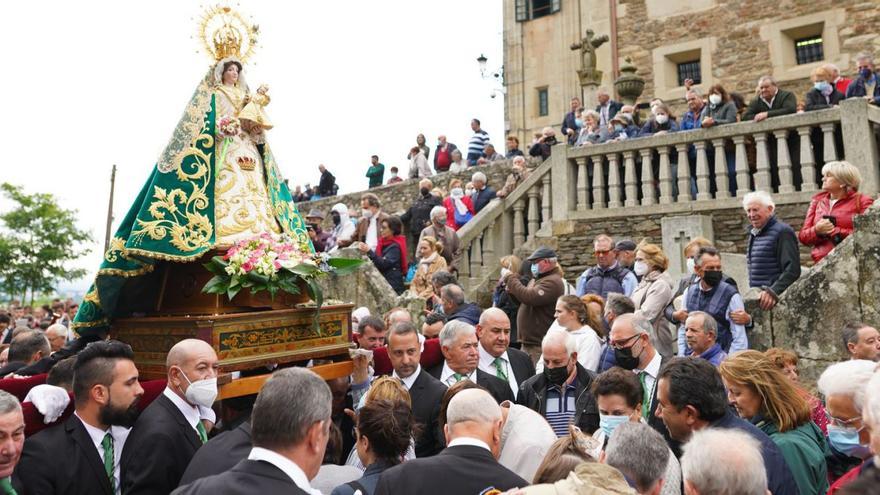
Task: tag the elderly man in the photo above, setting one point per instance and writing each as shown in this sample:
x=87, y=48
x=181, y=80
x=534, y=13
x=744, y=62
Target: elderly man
x=861, y=341
x=691, y=119
x=607, y=108
x=772, y=252
x=418, y=216
x=496, y=356
x=327, y=184
x=723, y=461
x=367, y=229
x=518, y=173
x=490, y=155
x=290, y=429
x=447, y=237
x=468, y=465
x=691, y=397
x=459, y=345
x=626, y=253
x=170, y=430
x=713, y=295
x=91, y=441
x=616, y=305
x=57, y=335
x=865, y=86
x=484, y=193
x=770, y=102
x=561, y=393
x=537, y=309
x=631, y=343
x=443, y=154
x=372, y=333
x=26, y=348
x=701, y=332
x=840, y=83
x=455, y=307
x=844, y=386
x=11, y=442
x=641, y=454
x=477, y=143
x=608, y=275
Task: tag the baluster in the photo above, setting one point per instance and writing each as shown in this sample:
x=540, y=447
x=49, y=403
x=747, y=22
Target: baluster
x=783, y=161
x=546, y=196
x=583, y=177
x=464, y=269
x=533, y=211
x=613, y=182
x=598, y=182
x=702, y=172
x=762, y=160
x=684, y=174
x=630, y=179
x=518, y=224
x=489, y=261
x=722, y=182
x=649, y=194
x=829, y=149
x=665, y=176
x=477, y=256
x=808, y=161
x=742, y=166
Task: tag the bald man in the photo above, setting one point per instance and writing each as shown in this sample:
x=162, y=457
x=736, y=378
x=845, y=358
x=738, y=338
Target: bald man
x=496, y=356
x=171, y=429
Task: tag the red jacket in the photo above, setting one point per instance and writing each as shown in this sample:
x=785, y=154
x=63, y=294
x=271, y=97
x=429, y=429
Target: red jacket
x=842, y=84
x=450, y=210
x=843, y=211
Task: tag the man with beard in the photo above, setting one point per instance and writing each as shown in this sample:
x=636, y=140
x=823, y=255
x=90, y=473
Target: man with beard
x=106, y=392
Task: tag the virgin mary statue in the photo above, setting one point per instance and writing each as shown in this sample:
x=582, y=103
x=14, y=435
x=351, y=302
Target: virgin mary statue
x=215, y=183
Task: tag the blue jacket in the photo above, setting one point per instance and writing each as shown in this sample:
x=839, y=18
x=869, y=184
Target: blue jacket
x=773, y=257
x=651, y=127
x=467, y=312
x=714, y=354
x=715, y=302
x=857, y=88
x=367, y=483
x=482, y=198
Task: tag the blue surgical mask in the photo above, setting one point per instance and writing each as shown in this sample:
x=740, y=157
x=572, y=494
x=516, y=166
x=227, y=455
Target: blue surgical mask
x=579, y=122
x=618, y=127
x=610, y=423
x=822, y=86
x=846, y=441
x=535, y=270
x=865, y=73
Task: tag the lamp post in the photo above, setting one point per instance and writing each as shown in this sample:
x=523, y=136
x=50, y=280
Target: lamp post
x=496, y=75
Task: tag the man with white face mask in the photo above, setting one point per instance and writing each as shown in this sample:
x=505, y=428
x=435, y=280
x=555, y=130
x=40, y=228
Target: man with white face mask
x=170, y=430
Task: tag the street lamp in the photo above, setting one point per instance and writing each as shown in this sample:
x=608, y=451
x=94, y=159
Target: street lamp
x=496, y=75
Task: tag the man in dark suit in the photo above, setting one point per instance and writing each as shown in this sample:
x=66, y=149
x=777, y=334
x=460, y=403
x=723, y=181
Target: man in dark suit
x=497, y=358
x=90, y=442
x=26, y=348
x=170, y=430
x=426, y=392
x=607, y=108
x=220, y=454
x=484, y=193
x=569, y=122
x=12, y=431
x=290, y=426
x=460, y=347
x=468, y=465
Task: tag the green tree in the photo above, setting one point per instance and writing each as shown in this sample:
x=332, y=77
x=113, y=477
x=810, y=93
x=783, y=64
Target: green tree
x=41, y=239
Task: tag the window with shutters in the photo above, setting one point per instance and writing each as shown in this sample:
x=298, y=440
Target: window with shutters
x=533, y=9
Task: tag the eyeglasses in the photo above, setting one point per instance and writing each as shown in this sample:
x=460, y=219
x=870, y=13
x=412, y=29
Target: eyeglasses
x=621, y=344
x=843, y=423
x=600, y=253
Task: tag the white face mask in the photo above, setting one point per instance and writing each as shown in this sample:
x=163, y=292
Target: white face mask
x=662, y=119
x=641, y=268
x=504, y=272
x=691, y=265
x=469, y=191
x=201, y=392
x=714, y=99
x=367, y=213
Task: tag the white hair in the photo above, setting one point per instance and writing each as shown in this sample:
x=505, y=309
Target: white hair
x=762, y=197
x=438, y=211
x=637, y=450
x=478, y=177
x=453, y=330
x=560, y=336
x=767, y=78
x=871, y=409
x=57, y=329
x=849, y=379
x=472, y=405
x=865, y=56
x=639, y=323
x=519, y=160
x=724, y=462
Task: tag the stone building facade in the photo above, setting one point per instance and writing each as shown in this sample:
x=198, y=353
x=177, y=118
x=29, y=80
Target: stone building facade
x=733, y=41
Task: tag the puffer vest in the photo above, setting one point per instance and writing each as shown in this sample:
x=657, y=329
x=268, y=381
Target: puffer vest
x=715, y=302
x=764, y=268
x=602, y=282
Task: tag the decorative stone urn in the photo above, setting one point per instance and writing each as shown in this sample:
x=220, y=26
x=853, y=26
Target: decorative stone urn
x=629, y=85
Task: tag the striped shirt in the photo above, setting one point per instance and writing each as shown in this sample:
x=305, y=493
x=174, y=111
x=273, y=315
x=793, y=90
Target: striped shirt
x=478, y=143
x=561, y=408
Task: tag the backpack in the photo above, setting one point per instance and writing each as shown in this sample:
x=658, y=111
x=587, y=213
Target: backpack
x=462, y=219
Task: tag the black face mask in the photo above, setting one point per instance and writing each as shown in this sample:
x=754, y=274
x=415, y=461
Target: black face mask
x=335, y=217
x=625, y=358
x=315, y=227
x=556, y=376
x=713, y=278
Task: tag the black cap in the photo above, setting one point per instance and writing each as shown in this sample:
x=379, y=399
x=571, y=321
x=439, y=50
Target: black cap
x=542, y=253
x=625, y=245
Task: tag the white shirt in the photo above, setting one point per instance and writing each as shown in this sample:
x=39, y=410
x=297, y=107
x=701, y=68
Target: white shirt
x=297, y=475
x=411, y=379
x=372, y=238
x=652, y=370
x=447, y=376
x=487, y=364
x=119, y=434
x=473, y=442
x=191, y=413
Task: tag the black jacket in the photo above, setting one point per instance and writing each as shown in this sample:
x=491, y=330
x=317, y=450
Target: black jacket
x=467, y=312
x=533, y=393
x=498, y=388
x=327, y=185
x=463, y=469
x=426, y=394
x=158, y=449
x=389, y=265
x=482, y=198
x=521, y=364
x=418, y=216
x=63, y=460
x=220, y=454
x=543, y=148
x=816, y=101
x=784, y=103
x=246, y=478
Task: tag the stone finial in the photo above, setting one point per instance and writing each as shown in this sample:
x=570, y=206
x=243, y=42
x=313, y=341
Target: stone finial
x=629, y=85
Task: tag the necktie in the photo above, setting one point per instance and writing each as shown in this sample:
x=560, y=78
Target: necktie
x=646, y=394
x=203, y=434
x=109, y=457
x=6, y=487
x=499, y=369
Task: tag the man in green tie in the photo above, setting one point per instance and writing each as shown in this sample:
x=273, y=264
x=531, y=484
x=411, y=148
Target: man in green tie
x=497, y=358
x=11, y=442
x=89, y=443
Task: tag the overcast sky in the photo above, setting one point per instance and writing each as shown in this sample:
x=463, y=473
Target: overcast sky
x=90, y=84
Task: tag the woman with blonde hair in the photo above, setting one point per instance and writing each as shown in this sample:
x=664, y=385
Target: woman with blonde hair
x=823, y=94
x=383, y=388
x=571, y=315
x=762, y=395
x=653, y=295
x=830, y=216
x=430, y=262
x=787, y=362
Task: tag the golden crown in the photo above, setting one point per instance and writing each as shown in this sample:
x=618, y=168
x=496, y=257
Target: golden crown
x=225, y=33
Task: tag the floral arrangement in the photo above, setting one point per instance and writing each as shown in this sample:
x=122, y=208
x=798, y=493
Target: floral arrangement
x=227, y=126
x=273, y=263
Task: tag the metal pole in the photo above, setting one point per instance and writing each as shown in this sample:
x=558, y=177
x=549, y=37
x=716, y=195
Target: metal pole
x=110, y=210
